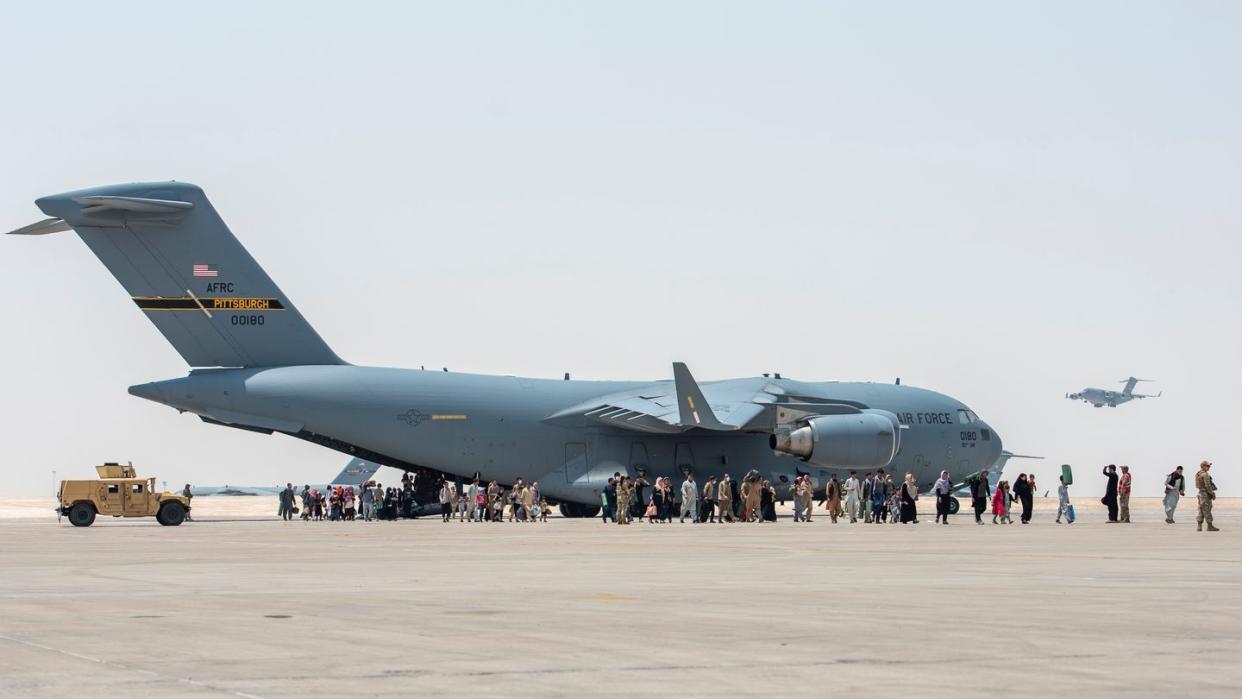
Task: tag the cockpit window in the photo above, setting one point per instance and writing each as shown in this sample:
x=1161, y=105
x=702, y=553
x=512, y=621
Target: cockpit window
x=963, y=417
x=971, y=414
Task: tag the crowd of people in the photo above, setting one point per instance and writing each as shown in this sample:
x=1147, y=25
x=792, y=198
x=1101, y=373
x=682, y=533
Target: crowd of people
x=478, y=503
x=875, y=498
x=370, y=501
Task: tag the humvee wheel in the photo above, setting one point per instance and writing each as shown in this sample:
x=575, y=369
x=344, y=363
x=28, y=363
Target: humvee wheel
x=82, y=515
x=171, y=514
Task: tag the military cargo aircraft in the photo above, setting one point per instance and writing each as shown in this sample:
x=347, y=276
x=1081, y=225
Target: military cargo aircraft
x=1099, y=397
x=258, y=365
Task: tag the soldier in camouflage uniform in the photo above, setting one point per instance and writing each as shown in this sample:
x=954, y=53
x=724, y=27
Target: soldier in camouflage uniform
x=1207, y=493
x=625, y=492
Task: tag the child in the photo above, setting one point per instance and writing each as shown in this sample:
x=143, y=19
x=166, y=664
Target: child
x=544, y=510
x=1009, y=502
x=999, y=502
x=1063, y=503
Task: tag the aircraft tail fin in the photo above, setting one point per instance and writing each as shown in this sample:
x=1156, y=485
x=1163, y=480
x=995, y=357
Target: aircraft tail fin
x=182, y=266
x=356, y=472
x=1130, y=384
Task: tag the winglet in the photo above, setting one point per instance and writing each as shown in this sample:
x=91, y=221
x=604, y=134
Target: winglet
x=695, y=412
x=47, y=225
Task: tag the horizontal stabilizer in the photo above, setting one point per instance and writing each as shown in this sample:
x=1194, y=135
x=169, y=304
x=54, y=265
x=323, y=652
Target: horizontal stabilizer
x=47, y=225
x=357, y=472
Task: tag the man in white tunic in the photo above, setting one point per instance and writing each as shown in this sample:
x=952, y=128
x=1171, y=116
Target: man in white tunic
x=851, y=496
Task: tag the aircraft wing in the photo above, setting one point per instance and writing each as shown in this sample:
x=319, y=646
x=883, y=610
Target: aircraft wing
x=738, y=405
x=673, y=407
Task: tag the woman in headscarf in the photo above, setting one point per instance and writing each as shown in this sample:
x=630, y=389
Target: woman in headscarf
x=767, y=502
x=909, y=494
x=942, y=490
x=1022, y=493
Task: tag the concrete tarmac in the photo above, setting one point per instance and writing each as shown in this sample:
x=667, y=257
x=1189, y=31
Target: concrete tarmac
x=253, y=606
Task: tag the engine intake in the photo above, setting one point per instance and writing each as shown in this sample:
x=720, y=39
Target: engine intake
x=863, y=440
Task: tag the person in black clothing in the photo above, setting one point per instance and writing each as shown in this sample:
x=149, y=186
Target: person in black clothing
x=1110, y=495
x=657, y=504
x=980, y=493
x=767, y=499
x=1023, y=493
x=638, y=506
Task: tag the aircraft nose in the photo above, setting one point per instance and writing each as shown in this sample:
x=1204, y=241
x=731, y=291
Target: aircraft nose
x=995, y=444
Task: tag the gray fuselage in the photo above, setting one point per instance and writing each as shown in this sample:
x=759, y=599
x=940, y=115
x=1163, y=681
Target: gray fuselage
x=463, y=424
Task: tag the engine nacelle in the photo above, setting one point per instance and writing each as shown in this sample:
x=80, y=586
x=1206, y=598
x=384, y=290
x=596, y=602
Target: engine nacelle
x=862, y=440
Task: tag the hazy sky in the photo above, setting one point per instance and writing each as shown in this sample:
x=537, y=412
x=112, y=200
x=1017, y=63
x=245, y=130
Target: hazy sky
x=1002, y=202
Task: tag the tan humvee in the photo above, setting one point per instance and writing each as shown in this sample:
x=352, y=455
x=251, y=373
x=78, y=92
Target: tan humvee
x=120, y=493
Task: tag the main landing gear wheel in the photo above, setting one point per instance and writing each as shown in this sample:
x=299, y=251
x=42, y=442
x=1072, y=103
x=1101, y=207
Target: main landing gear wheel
x=171, y=514
x=577, y=511
x=954, y=505
x=81, y=515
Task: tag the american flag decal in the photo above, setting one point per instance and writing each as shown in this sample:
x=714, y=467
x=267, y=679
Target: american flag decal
x=201, y=270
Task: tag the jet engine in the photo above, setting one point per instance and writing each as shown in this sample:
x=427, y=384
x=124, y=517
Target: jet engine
x=869, y=439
